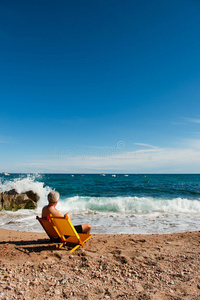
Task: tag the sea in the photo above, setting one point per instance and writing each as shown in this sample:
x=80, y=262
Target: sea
x=111, y=203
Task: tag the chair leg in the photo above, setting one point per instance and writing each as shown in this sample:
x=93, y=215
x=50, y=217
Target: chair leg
x=60, y=246
x=74, y=248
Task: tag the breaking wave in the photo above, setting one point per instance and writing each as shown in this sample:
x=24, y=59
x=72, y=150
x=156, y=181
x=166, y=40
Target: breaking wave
x=136, y=205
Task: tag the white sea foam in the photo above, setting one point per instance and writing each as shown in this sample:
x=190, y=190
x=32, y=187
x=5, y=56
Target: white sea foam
x=25, y=184
x=142, y=215
x=136, y=205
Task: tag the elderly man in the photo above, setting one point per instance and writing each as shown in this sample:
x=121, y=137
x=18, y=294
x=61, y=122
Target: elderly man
x=53, y=198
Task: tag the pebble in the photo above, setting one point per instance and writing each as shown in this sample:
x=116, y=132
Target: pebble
x=8, y=287
x=63, y=281
x=20, y=293
x=57, y=292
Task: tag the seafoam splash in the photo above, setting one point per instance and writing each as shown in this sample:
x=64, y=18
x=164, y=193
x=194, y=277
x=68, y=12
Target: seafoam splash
x=24, y=184
x=24, y=219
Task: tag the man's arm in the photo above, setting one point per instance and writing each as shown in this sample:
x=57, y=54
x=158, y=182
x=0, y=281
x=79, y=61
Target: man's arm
x=67, y=216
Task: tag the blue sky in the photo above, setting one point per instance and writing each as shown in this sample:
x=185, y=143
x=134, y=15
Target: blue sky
x=100, y=86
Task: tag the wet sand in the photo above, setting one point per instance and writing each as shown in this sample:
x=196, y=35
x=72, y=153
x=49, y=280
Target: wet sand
x=110, y=267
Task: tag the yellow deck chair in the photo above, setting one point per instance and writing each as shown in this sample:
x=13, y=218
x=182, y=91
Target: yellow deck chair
x=48, y=227
x=61, y=227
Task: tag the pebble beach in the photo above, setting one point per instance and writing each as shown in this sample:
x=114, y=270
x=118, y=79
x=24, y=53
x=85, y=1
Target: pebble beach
x=124, y=266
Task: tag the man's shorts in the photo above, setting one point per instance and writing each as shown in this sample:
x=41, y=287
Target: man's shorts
x=79, y=228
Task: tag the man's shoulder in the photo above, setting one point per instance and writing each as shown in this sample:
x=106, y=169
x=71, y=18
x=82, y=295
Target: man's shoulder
x=45, y=206
x=55, y=212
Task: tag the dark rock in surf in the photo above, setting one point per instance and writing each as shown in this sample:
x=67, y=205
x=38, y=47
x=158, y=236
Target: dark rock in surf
x=1, y=202
x=12, y=200
x=34, y=196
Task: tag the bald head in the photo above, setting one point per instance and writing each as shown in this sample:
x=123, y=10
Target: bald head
x=53, y=197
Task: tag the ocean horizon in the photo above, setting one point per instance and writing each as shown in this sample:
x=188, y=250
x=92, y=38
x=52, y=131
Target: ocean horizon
x=113, y=203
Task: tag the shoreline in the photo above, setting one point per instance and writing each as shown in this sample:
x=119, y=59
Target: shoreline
x=44, y=235
x=112, y=266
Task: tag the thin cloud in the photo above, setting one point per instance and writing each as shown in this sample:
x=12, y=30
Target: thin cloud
x=166, y=160
x=191, y=120
x=177, y=123
x=193, y=143
x=185, y=159
x=5, y=140
x=146, y=145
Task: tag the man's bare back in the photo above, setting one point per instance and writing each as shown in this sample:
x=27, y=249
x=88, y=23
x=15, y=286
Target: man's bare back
x=47, y=210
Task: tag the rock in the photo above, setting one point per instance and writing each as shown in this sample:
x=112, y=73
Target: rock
x=63, y=281
x=20, y=293
x=8, y=287
x=139, y=287
x=12, y=200
x=34, y=196
x=1, y=202
x=12, y=192
x=22, y=201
